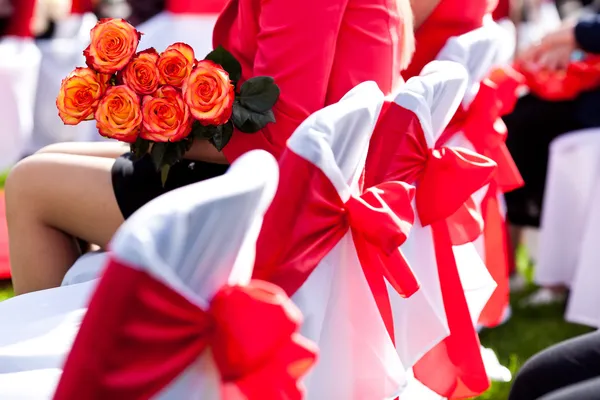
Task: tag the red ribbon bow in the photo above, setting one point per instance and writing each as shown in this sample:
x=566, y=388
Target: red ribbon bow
x=445, y=180
x=292, y=243
x=482, y=126
x=139, y=335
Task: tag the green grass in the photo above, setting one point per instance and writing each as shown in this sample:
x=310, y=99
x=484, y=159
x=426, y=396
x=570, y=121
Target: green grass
x=5, y=291
x=529, y=331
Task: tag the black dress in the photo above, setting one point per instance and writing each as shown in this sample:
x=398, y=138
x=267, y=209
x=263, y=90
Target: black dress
x=536, y=122
x=135, y=183
x=533, y=125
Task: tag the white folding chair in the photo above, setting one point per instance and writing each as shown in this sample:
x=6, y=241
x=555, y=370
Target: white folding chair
x=187, y=21
x=403, y=148
x=475, y=126
x=567, y=232
x=322, y=241
x=192, y=240
x=60, y=55
x=19, y=69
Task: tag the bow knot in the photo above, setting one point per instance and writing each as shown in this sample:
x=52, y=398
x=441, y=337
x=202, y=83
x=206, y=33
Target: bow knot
x=484, y=128
x=243, y=347
x=448, y=179
x=382, y=215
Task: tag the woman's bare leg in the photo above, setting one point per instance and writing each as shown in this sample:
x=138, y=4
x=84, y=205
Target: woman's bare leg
x=51, y=199
x=95, y=149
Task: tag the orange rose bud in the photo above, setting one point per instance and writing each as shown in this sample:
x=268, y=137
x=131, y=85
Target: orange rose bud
x=166, y=116
x=141, y=74
x=113, y=44
x=209, y=94
x=79, y=95
x=175, y=64
x=119, y=115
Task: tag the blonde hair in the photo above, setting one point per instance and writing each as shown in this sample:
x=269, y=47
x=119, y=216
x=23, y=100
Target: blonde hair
x=408, y=34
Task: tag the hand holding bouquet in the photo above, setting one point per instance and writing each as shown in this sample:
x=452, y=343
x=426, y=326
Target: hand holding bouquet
x=161, y=102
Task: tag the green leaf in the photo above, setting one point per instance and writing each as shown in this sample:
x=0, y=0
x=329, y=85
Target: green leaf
x=158, y=154
x=168, y=153
x=249, y=121
x=226, y=60
x=259, y=94
x=221, y=139
x=140, y=148
x=200, y=131
x=164, y=173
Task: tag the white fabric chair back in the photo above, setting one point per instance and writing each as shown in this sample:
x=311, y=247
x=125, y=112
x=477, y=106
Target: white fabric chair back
x=60, y=56
x=478, y=51
x=568, y=234
x=19, y=68
x=195, y=240
x=358, y=359
x=167, y=28
x=420, y=321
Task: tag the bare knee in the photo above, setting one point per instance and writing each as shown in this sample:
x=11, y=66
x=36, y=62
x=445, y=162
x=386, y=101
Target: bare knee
x=55, y=148
x=19, y=186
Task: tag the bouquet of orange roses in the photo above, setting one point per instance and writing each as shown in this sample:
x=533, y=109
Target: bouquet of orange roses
x=160, y=103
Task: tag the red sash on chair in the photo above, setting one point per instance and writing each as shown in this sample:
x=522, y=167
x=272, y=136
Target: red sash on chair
x=22, y=18
x=445, y=180
x=308, y=218
x=195, y=6
x=140, y=334
x=79, y=7
x=482, y=126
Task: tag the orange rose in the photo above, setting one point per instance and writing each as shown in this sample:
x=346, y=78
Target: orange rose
x=114, y=43
x=175, y=64
x=141, y=74
x=166, y=116
x=209, y=94
x=79, y=95
x=119, y=115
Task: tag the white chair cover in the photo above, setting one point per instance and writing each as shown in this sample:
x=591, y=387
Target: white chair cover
x=196, y=239
x=434, y=97
x=167, y=28
x=420, y=321
x=358, y=360
x=60, y=56
x=19, y=69
x=569, y=228
x=478, y=51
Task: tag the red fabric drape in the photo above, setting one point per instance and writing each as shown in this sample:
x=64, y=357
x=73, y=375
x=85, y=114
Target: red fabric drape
x=82, y=6
x=292, y=243
x=445, y=180
x=195, y=6
x=22, y=18
x=139, y=335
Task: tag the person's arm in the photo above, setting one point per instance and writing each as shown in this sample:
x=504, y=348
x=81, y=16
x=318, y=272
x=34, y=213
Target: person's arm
x=295, y=45
x=422, y=9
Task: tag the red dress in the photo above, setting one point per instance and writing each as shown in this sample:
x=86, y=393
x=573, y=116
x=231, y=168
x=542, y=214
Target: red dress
x=317, y=50
x=450, y=18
